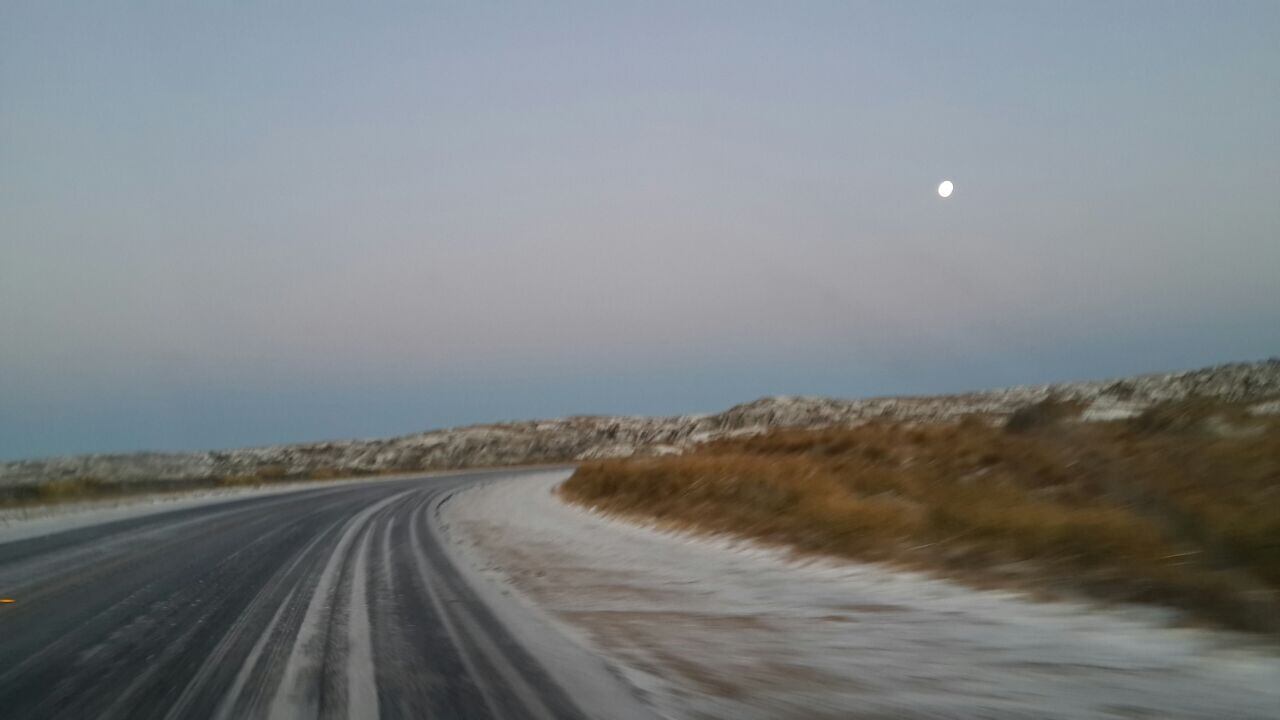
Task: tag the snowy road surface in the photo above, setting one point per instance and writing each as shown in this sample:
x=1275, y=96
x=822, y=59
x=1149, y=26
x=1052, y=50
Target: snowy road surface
x=340, y=601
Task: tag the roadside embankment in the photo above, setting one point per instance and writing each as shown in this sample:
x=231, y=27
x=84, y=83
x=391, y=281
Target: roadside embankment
x=1177, y=506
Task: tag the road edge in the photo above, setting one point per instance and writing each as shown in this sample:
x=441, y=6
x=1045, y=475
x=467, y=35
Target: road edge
x=599, y=690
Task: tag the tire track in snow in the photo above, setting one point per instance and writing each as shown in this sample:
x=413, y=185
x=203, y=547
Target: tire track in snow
x=333, y=603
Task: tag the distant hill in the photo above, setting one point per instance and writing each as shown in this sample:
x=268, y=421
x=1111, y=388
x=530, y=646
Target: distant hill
x=588, y=437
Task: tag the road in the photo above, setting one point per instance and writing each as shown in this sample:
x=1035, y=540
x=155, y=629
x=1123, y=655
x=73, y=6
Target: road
x=335, y=602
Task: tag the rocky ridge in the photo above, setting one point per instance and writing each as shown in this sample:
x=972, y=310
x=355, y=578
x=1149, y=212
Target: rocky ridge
x=587, y=437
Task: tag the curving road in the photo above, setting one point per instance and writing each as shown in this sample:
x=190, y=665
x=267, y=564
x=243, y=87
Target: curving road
x=336, y=602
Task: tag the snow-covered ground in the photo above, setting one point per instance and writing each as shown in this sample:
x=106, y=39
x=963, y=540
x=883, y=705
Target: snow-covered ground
x=708, y=628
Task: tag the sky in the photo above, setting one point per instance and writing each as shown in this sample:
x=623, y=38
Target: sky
x=228, y=224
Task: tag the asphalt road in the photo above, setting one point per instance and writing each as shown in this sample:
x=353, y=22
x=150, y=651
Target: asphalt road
x=336, y=602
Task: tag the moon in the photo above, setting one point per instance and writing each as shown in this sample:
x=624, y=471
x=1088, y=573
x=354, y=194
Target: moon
x=945, y=188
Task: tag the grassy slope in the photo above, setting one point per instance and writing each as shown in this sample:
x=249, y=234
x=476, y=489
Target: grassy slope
x=79, y=489
x=1180, y=506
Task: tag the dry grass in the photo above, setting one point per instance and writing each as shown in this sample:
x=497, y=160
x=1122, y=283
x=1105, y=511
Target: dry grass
x=1180, y=506
x=79, y=489
x=72, y=489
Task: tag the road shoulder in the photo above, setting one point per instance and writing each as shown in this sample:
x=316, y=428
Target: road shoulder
x=595, y=686
x=724, y=629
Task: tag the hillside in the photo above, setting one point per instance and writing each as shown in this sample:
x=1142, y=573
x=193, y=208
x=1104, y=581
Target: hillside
x=583, y=438
x=1175, y=506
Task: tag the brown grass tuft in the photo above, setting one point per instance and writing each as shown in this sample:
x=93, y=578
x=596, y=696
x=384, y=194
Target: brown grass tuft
x=1177, y=513
x=239, y=481
x=1047, y=413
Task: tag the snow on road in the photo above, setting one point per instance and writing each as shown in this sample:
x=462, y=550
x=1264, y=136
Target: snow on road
x=23, y=522
x=709, y=628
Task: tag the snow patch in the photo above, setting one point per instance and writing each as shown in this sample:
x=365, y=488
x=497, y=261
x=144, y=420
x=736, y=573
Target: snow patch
x=718, y=628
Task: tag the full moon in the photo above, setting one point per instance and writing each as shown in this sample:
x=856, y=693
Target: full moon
x=945, y=188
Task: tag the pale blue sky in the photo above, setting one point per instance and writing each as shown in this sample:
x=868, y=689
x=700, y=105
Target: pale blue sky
x=241, y=223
